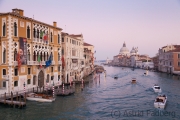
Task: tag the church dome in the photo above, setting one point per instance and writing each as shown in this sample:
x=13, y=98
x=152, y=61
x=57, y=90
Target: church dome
x=133, y=50
x=124, y=50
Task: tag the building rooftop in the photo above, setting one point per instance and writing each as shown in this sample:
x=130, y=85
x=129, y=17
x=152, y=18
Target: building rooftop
x=20, y=14
x=87, y=44
x=176, y=50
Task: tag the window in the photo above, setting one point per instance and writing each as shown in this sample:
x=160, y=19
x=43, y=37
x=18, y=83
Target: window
x=44, y=56
x=4, y=56
x=47, y=78
x=70, y=40
x=4, y=71
x=52, y=77
x=179, y=55
x=34, y=80
x=28, y=55
x=178, y=64
x=15, y=83
x=58, y=39
x=37, y=33
x=62, y=51
x=59, y=57
x=28, y=32
x=4, y=83
x=67, y=39
x=15, y=29
x=34, y=33
x=15, y=71
x=34, y=56
x=4, y=29
x=170, y=63
x=51, y=37
x=59, y=68
x=15, y=55
x=29, y=81
x=62, y=39
x=58, y=77
x=29, y=71
x=51, y=69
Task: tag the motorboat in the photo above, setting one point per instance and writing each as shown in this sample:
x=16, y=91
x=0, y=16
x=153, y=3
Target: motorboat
x=160, y=101
x=116, y=77
x=40, y=97
x=133, y=80
x=146, y=73
x=157, y=88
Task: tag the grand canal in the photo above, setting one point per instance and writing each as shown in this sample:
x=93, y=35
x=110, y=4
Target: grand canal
x=107, y=99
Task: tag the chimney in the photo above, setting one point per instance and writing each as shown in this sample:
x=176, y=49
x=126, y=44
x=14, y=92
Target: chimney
x=21, y=12
x=54, y=24
x=18, y=11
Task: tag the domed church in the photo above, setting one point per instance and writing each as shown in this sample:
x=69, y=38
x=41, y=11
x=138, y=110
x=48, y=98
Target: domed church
x=124, y=50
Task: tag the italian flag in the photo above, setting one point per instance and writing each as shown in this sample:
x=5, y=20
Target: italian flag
x=39, y=60
x=45, y=37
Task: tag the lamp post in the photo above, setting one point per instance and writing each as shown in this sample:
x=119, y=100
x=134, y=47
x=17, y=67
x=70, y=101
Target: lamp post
x=24, y=87
x=53, y=88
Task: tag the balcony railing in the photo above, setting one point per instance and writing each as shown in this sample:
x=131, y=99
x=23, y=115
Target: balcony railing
x=59, y=62
x=5, y=76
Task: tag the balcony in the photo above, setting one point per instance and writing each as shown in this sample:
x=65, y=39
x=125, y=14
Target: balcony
x=75, y=68
x=74, y=57
x=59, y=62
x=5, y=77
x=15, y=63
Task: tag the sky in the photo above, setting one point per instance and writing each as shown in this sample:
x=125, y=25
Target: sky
x=107, y=24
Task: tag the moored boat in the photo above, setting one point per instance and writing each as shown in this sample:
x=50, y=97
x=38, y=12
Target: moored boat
x=160, y=101
x=40, y=97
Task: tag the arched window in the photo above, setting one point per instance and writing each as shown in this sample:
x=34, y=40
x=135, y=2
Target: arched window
x=58, y=39
x=34, y=56
x=4, y=29
x=40, y=34
x=37, y=33
x=58, y=57
x=47, y=78
x=41, y=56
x=44, y=56
x=34, y=80
x=15, y=55
x=47, y=56
x=28, y=32
x=34, y=33
x=52, y=56
x=15, y=29
x=4, y=55
x=37, y=56
x=29, y=55
x=51, y=36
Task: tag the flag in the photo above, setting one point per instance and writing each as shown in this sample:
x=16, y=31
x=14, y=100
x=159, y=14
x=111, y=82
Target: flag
x=19, y=60
x=62, y=59
x=41, y=34
x=39, y=60
x=45, y=37
x=49, y=61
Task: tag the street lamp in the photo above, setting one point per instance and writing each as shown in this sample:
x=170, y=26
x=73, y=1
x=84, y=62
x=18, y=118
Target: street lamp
x=24, y=87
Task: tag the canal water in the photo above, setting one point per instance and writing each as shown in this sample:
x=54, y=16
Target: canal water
x=108, y=98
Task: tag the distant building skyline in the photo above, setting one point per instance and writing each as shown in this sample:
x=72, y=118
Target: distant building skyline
x=148, y=25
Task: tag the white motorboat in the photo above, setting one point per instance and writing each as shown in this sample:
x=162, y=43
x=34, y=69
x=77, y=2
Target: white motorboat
x=157, y=88
x=40, y=97
x=160, y=101
x=133, y=80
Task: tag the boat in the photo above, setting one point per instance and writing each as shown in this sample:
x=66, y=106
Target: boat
x=157, y=88
x=133, y=80
x=160, y=101
x=115, y=77
x=40, y=97
x=65, y=92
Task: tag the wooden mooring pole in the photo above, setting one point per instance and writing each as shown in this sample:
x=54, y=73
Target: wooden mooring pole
x=5, y=98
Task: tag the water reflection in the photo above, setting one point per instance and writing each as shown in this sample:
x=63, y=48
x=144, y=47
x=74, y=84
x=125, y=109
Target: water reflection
x=102, y=97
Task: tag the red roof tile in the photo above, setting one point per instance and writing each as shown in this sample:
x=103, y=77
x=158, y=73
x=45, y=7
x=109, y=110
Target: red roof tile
x=87, y=44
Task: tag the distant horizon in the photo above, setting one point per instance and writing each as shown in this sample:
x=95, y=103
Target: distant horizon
x=148, y=25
